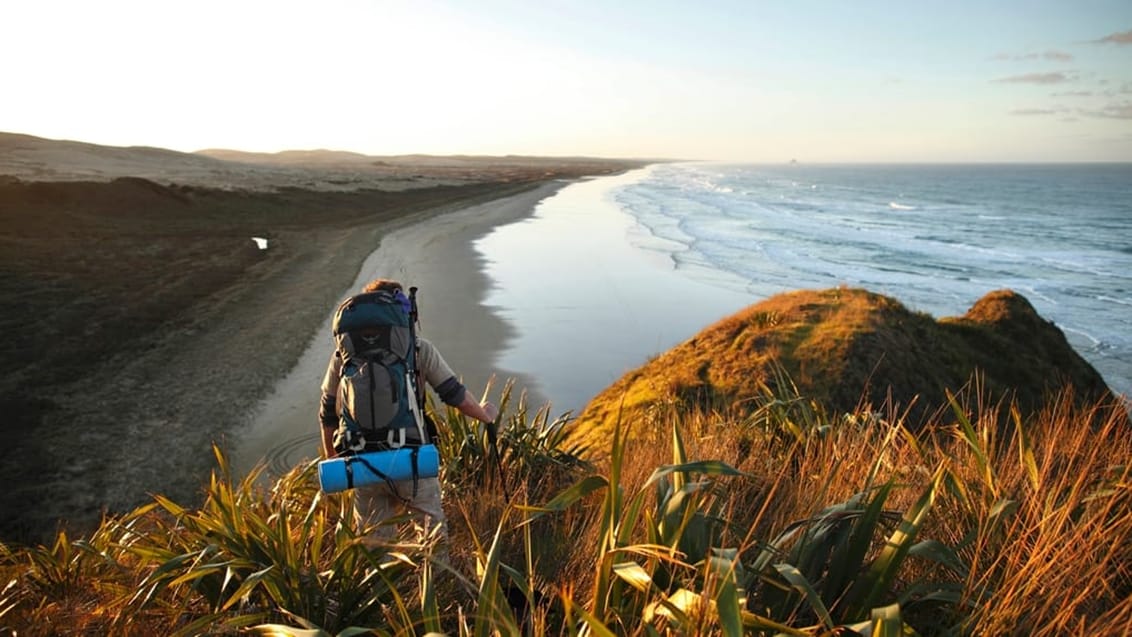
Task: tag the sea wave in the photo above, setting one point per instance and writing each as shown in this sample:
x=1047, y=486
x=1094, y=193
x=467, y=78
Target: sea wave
x=1111, y=299
x=1096, y=343
x=939, y=239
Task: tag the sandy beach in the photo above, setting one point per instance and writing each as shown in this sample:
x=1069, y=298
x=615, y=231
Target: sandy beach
x=166, y=329
x=437, y=256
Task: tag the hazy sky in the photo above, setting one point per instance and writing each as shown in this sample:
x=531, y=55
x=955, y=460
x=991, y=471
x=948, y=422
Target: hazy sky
x=885, y=80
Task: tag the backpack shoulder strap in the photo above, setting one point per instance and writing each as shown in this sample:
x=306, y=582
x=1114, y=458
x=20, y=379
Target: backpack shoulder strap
x=425, y=427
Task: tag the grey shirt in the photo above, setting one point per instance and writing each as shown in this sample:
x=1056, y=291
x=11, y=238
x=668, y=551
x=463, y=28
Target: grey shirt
x=431, y=364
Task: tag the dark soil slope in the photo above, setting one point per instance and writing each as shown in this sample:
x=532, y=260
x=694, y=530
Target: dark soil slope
x=129, y=305
x=141, y=322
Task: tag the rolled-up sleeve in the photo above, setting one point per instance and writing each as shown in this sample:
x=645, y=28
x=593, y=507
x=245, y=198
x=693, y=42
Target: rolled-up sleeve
x=438, y=374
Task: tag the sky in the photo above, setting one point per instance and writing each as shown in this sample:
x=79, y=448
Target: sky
x=759, y=81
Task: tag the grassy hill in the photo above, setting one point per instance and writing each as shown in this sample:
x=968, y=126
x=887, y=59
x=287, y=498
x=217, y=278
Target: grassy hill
x=846, y=349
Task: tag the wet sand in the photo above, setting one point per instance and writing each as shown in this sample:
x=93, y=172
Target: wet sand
x=437, y=256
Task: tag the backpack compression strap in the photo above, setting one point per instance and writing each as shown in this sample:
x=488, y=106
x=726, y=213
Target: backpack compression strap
x=377, y=472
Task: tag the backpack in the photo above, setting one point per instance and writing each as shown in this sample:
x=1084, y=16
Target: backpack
x=378, y=399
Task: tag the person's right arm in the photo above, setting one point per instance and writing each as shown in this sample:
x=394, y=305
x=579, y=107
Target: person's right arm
x=449, y=388
x=484, y=412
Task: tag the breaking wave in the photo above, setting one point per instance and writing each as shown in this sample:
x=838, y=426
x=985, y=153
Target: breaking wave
x=975, y=229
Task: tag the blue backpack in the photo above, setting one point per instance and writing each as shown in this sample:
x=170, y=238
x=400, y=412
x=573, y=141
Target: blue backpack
x=379, y=402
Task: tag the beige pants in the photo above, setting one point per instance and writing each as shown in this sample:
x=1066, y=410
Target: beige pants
x=374, y=503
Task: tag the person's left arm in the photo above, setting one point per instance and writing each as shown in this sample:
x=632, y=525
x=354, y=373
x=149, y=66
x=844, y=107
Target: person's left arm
x=327, y=408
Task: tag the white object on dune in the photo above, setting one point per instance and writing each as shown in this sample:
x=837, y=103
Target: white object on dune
x=261, y=242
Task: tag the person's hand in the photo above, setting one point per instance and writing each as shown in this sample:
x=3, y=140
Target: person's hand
x=490, y=410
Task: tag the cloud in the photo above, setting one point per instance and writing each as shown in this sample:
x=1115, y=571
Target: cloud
x=1036, y=78
x=1124, y=37
x=1122, y=110
x=1035, y=111
x=1052, y=55
x=1073, y=94
x=1057, y=56
x=1114, y=110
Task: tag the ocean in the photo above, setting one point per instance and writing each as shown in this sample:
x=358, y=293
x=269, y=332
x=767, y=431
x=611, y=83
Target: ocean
x=611, y=271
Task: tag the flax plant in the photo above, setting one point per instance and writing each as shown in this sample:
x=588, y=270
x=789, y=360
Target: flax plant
x=529, y=445
x=981, y=525
x=676, y=577
x=247, y=555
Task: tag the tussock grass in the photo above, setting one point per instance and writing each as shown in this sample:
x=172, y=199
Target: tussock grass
x=776, y=519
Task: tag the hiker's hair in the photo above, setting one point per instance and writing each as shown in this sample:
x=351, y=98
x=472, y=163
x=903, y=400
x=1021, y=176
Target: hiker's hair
x=383, y=285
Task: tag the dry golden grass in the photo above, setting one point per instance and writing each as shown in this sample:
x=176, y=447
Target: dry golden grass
x=848, y=348
x=1040, y=513
x=1026, y=530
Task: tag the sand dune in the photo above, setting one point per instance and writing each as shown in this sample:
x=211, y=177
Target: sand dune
x=36, y=159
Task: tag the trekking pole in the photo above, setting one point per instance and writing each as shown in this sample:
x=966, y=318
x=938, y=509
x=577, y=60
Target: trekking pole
x=414, y=321
x=493, y=439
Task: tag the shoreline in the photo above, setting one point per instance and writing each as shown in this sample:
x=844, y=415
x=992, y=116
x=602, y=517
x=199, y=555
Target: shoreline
x=435, y=252
x=188, y=337
x=632, y=303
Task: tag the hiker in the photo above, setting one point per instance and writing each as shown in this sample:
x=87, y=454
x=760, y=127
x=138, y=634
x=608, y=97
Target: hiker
x=418, y=497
